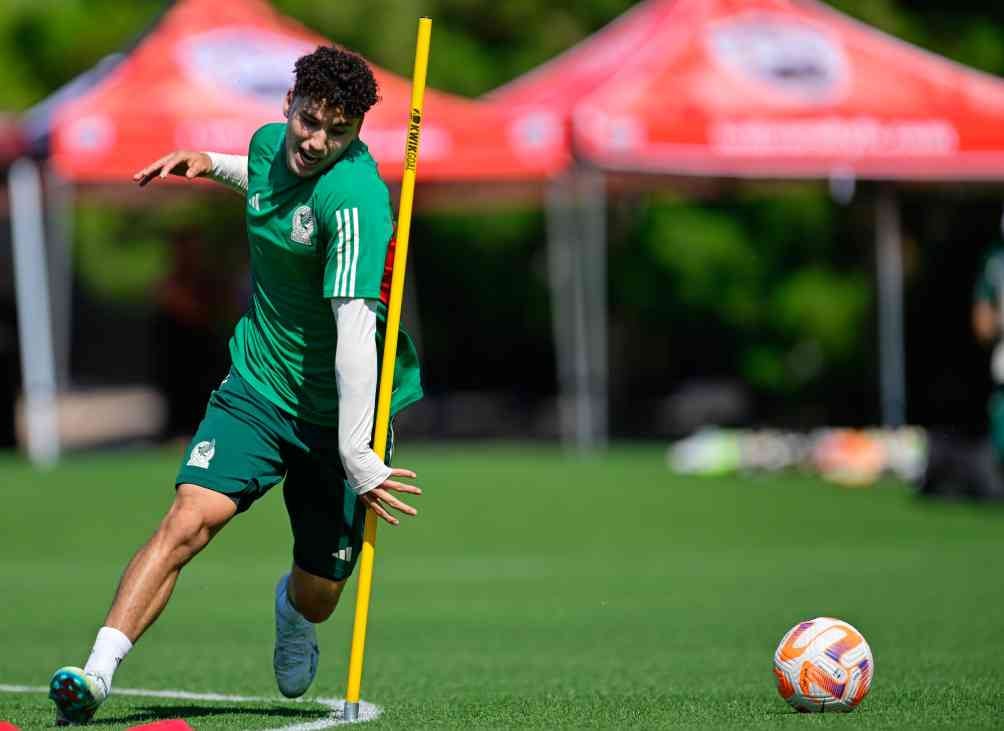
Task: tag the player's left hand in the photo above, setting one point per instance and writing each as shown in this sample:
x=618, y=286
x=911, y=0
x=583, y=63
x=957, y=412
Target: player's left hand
x=180, y=162
x=379, y=497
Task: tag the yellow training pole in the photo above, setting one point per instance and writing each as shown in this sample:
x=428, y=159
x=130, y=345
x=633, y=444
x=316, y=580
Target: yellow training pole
x=351, y=712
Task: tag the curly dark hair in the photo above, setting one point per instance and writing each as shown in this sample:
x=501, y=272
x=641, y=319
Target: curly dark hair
x=336, y=77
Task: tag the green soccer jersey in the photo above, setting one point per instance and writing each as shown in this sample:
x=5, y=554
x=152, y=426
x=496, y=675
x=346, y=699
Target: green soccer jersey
x=312, y=239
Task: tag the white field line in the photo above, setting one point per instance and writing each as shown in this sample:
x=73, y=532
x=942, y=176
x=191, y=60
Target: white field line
x=367, y=711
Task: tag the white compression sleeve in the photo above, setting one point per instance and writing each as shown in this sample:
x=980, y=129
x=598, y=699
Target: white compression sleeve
x=230, y=170
x=356, y=376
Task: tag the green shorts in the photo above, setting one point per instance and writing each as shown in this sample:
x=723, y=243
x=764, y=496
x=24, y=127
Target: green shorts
x=245, y=445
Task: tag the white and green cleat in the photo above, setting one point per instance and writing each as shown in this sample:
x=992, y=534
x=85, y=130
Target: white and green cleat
x=76, y=694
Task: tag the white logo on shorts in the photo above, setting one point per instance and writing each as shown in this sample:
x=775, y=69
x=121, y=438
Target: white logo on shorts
x=303, y=225
x=202, y=454
x=344, y=554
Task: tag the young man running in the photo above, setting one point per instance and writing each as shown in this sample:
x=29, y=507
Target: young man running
x=299, y=400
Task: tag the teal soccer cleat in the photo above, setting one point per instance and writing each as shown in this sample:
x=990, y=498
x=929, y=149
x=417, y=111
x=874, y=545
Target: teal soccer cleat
x=76, y=694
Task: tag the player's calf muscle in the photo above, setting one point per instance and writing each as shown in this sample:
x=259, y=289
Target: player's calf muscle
x=146, y=585
x=317, y=613
x=313, y=596
x=317, y=607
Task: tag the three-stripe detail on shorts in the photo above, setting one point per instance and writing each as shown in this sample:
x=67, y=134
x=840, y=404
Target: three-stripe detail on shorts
x=347, y=254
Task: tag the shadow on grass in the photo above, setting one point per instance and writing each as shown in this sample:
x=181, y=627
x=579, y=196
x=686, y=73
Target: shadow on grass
x=149, y=714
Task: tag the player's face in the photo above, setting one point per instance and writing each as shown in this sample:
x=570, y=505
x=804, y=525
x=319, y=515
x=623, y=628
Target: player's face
x=316, y=135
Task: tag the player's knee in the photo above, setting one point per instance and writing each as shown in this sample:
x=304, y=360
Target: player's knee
x=192, y=521
x=182, y=534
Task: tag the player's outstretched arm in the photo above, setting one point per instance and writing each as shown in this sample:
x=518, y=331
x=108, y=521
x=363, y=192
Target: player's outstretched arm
x=184, y=163
x=229, y=170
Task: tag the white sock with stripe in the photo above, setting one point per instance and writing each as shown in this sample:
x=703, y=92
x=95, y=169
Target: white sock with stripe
x=110, y=649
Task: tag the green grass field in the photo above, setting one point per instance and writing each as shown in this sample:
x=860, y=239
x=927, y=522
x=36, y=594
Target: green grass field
x=532, y=591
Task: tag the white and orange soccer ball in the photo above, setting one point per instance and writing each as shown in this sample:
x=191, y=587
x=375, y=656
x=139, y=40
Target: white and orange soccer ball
x=823, y=665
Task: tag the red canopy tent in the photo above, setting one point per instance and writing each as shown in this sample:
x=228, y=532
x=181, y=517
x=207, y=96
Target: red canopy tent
x=12, y=144
x=212, y=72
x=778, y=88
x=773, y=89
x=767, y=88
x=11, y=140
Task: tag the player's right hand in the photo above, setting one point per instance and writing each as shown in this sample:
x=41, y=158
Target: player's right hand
x=180, y=162
x=379, y=498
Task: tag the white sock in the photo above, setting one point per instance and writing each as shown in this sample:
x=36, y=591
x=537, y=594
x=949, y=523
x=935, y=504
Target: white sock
x=110, y=648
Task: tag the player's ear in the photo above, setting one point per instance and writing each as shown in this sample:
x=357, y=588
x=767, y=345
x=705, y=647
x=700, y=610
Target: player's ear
x=287, y=103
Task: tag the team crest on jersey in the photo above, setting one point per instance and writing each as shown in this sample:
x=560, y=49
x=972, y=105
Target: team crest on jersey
x=202, y=454
x=303, y=225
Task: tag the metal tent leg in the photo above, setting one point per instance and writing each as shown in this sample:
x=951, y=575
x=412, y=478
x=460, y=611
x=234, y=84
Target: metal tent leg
x=38, y=369
x=577, y=268
x=892, y=360
x=560, y=263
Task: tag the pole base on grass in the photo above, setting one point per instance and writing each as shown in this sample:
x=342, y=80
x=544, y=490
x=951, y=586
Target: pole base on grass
x=350, y=712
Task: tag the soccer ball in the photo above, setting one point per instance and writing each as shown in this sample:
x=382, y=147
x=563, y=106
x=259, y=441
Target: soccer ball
x=822, y=665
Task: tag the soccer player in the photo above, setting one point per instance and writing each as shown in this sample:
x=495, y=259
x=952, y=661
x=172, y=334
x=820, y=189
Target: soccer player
x=299, y=400
x=959, y=467
x=988, y=307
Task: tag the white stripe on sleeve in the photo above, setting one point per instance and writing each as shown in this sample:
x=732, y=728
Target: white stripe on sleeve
x=350, y=244
x=338, y=260
x=347, y=260
x=346, y=252
x=355, y=255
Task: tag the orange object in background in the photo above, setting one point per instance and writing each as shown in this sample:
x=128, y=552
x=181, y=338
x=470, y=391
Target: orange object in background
x=850, y=457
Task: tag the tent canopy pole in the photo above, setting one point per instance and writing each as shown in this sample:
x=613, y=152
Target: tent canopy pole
x=31, y=277
x=889, y=259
